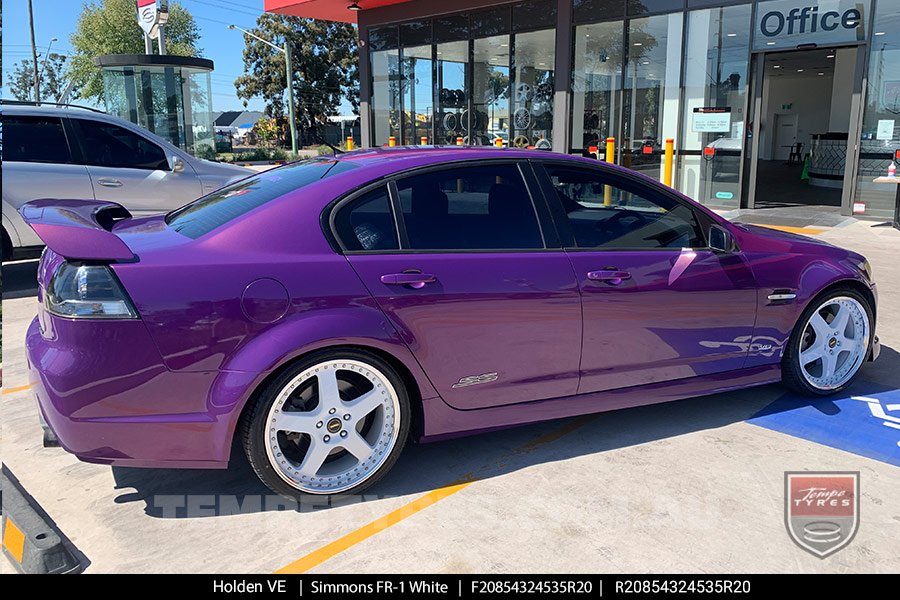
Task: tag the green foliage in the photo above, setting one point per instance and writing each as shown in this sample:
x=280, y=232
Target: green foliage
x=259, y=154
x=110, y=27
x=324, y=57
x=267, y=130
x=324, y=150
x=21, y=80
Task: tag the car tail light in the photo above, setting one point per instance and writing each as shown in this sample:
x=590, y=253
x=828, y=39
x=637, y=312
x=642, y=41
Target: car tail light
x=79, y=291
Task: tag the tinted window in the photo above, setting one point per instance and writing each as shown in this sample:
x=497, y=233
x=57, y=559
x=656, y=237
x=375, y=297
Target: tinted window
x=608, y=213
x=108, y=145
x=35, y=139
x=469, y=208
x=367, y=222
x=207, y=213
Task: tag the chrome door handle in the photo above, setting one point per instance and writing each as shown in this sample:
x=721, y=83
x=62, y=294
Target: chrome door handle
x=610, y=276
x=414, y=280
x=109, y=182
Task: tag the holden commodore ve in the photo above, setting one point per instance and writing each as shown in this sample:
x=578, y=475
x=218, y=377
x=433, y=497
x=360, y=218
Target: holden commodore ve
x=326, y=312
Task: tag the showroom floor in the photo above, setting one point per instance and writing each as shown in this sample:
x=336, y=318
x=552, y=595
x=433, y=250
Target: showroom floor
x=695, y=485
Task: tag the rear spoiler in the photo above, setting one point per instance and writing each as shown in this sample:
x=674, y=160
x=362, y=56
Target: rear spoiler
x=79, y=229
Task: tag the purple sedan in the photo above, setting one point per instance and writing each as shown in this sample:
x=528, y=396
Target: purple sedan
x=328, y=311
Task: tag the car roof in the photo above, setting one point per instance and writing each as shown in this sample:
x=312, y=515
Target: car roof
x=400, y=158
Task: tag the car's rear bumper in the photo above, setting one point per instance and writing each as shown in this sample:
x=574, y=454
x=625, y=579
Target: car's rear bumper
x=106, y=397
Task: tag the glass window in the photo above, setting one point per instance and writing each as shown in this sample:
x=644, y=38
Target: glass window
x=532, y=100
x=880, y=131
x=416, y=33
x=489, y=117
x=367, y=222
x=586, y=11
x=469, y=208
x=203, y=215
x=651, y=93
x=645, y=7
x=534, y=14
x=715, y=79
x=452, y=72
x=35, y=139
x=383, y=38
x=108, y=145
x=451, y=29
x=386, y=88
x=605, y=213
x=490, y=22
x=417, y=91
x=596, y=83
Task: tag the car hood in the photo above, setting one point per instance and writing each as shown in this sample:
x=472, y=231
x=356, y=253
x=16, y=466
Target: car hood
x=208, y=167
x=765, y=239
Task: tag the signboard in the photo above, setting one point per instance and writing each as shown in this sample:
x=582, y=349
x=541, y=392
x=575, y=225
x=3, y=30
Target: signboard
x=792, y=23
x=147, y=16
x=710, y=119
x=885, y=129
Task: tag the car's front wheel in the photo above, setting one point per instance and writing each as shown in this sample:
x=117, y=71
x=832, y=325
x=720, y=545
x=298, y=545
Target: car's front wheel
x=333, y=423
x=829, y=344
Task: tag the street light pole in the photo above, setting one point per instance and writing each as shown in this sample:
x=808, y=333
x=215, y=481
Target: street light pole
x=46, y=58
x=289, y=72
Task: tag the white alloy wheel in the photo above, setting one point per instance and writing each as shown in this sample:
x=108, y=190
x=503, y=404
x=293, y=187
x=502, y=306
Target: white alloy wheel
x=834, y=343
x=332, y=427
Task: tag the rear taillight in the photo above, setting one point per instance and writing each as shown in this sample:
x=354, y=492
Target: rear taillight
x=78, y=291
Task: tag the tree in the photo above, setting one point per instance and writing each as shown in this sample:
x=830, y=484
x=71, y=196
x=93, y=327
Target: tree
x=325, y=68
x=268, y=130
x=110, y=27
x=21, y=80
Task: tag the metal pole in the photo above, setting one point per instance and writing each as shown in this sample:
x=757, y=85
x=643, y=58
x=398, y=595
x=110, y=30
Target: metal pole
x=34, y=63
x=46, y=58
x=148, y=44
x=289, y=72
x=162, y=40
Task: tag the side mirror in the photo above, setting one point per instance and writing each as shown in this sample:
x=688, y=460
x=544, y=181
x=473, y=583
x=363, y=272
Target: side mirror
x=720, y=239
x=176, y=164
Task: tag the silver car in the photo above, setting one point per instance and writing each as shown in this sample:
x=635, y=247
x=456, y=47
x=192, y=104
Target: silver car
x=67, y=152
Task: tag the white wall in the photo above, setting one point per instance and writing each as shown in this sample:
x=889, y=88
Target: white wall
x=810, y=99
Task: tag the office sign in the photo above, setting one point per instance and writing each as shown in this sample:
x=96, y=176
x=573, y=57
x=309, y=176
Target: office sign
x=710, y=119
x=793, y=23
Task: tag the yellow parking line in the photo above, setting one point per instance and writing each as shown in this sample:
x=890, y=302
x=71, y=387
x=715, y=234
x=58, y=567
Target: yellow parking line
x=800, y=230
x=21, y=388
x=317, y=557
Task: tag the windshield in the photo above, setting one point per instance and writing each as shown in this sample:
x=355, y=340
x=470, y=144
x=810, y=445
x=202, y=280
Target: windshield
x=212, y=211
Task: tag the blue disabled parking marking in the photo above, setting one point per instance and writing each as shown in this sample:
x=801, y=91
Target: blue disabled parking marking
x=864, y=424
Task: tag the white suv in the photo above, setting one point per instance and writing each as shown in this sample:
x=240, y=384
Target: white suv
x=72, y=153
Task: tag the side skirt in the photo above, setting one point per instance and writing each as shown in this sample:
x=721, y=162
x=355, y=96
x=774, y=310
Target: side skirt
x=444, y=422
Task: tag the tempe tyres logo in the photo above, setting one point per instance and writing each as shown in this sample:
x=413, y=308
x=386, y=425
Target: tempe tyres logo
x=821, y=510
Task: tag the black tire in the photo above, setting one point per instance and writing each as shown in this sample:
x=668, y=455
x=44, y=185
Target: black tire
x=253, y=423
x=791, y=370
x=7, y=247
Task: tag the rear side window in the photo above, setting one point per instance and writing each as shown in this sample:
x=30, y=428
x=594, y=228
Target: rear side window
x=35, y=140
x=108, y=145
x=212, y=211
x=469, y=208
x=367, y=223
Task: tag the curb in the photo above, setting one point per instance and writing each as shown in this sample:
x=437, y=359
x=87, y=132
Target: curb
x=31, y=541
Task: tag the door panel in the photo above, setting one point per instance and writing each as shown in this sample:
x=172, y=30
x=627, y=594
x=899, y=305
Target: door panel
x=514, y=314
x=678, y=314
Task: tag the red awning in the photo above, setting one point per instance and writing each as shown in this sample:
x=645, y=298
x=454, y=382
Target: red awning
x=328, y=10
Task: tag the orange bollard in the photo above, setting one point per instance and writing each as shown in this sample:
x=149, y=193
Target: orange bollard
x=424, y=140
x=392, y=141
x=610, y=158
x=667, y=162
x=459, y=140
x=498, y=142
x=350, y=142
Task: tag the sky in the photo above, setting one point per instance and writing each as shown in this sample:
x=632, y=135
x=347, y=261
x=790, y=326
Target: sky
x=57, y=18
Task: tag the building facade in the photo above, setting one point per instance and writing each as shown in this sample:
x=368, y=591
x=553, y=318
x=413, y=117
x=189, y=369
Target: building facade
x=753, y=93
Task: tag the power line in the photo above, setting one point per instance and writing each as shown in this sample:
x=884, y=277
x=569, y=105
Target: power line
x=218, y=5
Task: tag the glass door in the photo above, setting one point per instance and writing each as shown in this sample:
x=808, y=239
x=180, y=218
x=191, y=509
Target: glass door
x=450, y=91
x=488, y=116
x=417, y=88
x=597, y=83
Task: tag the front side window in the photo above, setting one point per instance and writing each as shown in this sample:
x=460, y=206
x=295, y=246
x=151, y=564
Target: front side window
x=469, y=208
x=35, y=140
x=108, y=145
x=367, y=223
x=612, y=213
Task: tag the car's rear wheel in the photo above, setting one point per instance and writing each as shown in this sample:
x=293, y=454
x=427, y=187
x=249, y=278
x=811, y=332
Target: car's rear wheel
x=334, y=423
x=829, y=344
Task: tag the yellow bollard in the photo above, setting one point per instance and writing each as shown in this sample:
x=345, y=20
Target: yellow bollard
x=498, y=142
x=667, y=161
x=392, y=141
x=424, y=140
x=459, y=140
x=350, y=143
x=610, y=158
